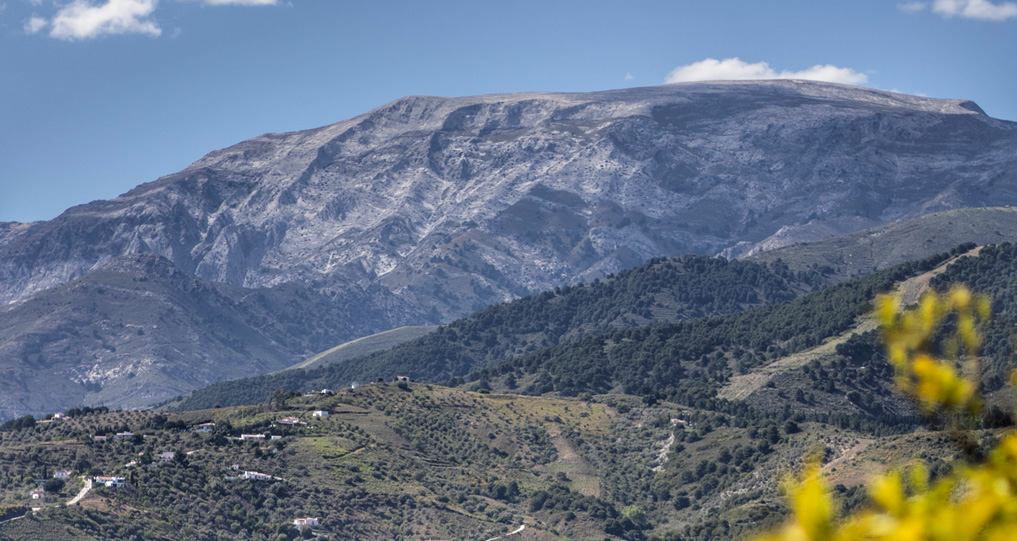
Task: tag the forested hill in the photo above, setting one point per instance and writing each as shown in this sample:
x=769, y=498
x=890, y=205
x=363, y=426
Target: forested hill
x=994, y=274
x=687, y=362
x=663, y=289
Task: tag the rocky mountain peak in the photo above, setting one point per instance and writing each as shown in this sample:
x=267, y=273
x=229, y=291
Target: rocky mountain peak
x=427, y=208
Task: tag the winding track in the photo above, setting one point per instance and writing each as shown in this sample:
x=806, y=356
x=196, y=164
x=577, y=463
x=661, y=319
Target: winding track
x=84, y=490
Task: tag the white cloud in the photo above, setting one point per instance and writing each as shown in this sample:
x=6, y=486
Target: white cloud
x=82, y=20
x=34, y=24
x=85, y=19
x=629, y=76
x=912, y=7
x=735, y=69
x=976, y=9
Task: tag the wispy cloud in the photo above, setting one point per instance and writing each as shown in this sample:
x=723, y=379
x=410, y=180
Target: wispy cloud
x=83, y=20
x=736, y=69
x=629, y=76
x=86, y=19
x=35, y=24
x=976, y=9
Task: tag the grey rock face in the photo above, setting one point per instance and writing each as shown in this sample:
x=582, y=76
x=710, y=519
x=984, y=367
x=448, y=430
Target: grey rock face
x=433, y=207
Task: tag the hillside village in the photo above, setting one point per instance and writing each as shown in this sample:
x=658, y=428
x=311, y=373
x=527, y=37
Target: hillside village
x=419, y=461
x=69, y=487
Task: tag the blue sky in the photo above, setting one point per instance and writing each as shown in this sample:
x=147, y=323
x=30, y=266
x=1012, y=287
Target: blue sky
x=98, y=96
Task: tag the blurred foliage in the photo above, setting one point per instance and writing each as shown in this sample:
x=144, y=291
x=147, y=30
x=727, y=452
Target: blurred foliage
x=977, y=500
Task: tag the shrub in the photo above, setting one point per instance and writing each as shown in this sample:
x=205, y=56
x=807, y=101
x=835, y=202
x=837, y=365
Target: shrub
x=978, y=498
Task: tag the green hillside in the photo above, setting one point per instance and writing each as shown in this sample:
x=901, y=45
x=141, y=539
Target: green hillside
x=816, y=357
x=688, y=361
x=420, y=461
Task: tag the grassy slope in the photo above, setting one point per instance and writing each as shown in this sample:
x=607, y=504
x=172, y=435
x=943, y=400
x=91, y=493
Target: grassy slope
x=365, y=346
x=881, y=247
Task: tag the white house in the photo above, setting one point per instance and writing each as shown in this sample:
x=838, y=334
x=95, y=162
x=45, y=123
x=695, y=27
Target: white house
x=320, y=413
x=292, y=421
x=59, y=415
x=204, y=427
x=109, y=481
x=257, y=476
x=127, y=434
x=62, y=474
x=252, y=436
x=403, y=378
x=167, y=456
x=302, y=523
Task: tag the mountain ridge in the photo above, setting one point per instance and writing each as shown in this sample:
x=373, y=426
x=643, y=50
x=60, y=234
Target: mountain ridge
x=427, y=209
x=248, y=245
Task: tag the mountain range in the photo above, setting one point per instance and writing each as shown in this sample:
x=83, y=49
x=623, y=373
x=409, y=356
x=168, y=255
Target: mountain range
x=426, y=209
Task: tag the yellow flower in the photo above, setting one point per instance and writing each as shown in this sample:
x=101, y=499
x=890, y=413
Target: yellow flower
x=973, y=502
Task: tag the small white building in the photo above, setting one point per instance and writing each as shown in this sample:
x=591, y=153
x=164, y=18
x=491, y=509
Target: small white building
x=320, y=413
x=257, y=476
x=127, y=434
x=38, y=494
x=252, y=436
x=59, y=415
x=308, y=522
x=167, y=456
x=62, y=474
x=204, y=427
x=109, y=481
